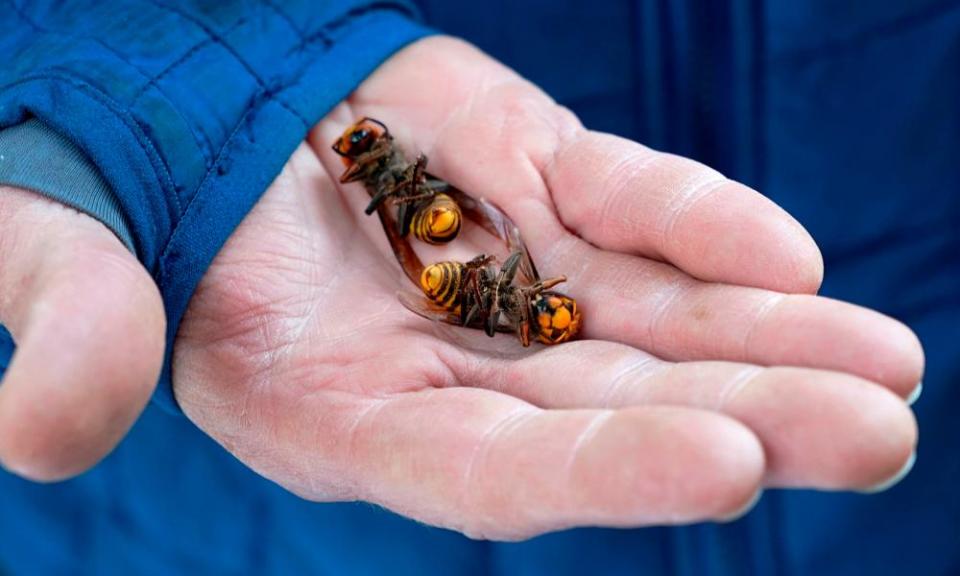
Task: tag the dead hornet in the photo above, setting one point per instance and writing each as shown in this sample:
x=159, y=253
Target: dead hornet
x=512, y=298
x=423, y=207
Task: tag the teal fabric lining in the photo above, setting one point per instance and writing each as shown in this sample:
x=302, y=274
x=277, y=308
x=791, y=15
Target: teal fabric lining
x=35, y=157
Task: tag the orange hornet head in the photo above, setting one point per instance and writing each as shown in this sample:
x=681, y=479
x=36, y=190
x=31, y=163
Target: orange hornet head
x=556, y=316
x=359, y=138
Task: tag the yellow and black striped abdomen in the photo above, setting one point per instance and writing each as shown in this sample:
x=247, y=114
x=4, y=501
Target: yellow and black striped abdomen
x=437, y=222
x=441, y=283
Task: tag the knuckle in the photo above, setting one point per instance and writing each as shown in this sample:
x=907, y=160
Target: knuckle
x=619, y=185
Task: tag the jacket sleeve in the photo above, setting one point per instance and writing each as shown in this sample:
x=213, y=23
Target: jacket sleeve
x=188, y=109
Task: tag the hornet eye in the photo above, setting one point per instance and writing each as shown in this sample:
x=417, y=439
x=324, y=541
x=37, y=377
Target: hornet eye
x=358, y=136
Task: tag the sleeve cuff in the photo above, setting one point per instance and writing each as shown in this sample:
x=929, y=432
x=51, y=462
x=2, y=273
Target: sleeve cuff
x=36, y=157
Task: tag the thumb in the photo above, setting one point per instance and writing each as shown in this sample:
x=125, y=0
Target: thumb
x=89, y=326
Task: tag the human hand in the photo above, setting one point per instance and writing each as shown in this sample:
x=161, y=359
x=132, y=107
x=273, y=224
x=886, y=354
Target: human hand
x=296, y=355
x=89, y=326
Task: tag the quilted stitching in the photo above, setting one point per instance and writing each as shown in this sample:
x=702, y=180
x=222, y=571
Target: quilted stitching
x=233, y=52
x=285, y=17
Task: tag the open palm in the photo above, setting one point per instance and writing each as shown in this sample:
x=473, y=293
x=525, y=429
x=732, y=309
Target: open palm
x=707, y=369
x=298, y=357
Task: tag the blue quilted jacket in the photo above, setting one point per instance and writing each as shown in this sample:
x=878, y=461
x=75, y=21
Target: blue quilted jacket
x=845, y=113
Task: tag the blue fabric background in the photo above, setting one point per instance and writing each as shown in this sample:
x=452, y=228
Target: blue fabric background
x=845, y=113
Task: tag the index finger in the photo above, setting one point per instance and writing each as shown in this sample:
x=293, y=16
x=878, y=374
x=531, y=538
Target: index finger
x=623, y=196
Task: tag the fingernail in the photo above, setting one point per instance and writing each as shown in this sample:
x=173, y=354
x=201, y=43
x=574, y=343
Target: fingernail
x=915, y=395
x=742, y=511
x=895, y=479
